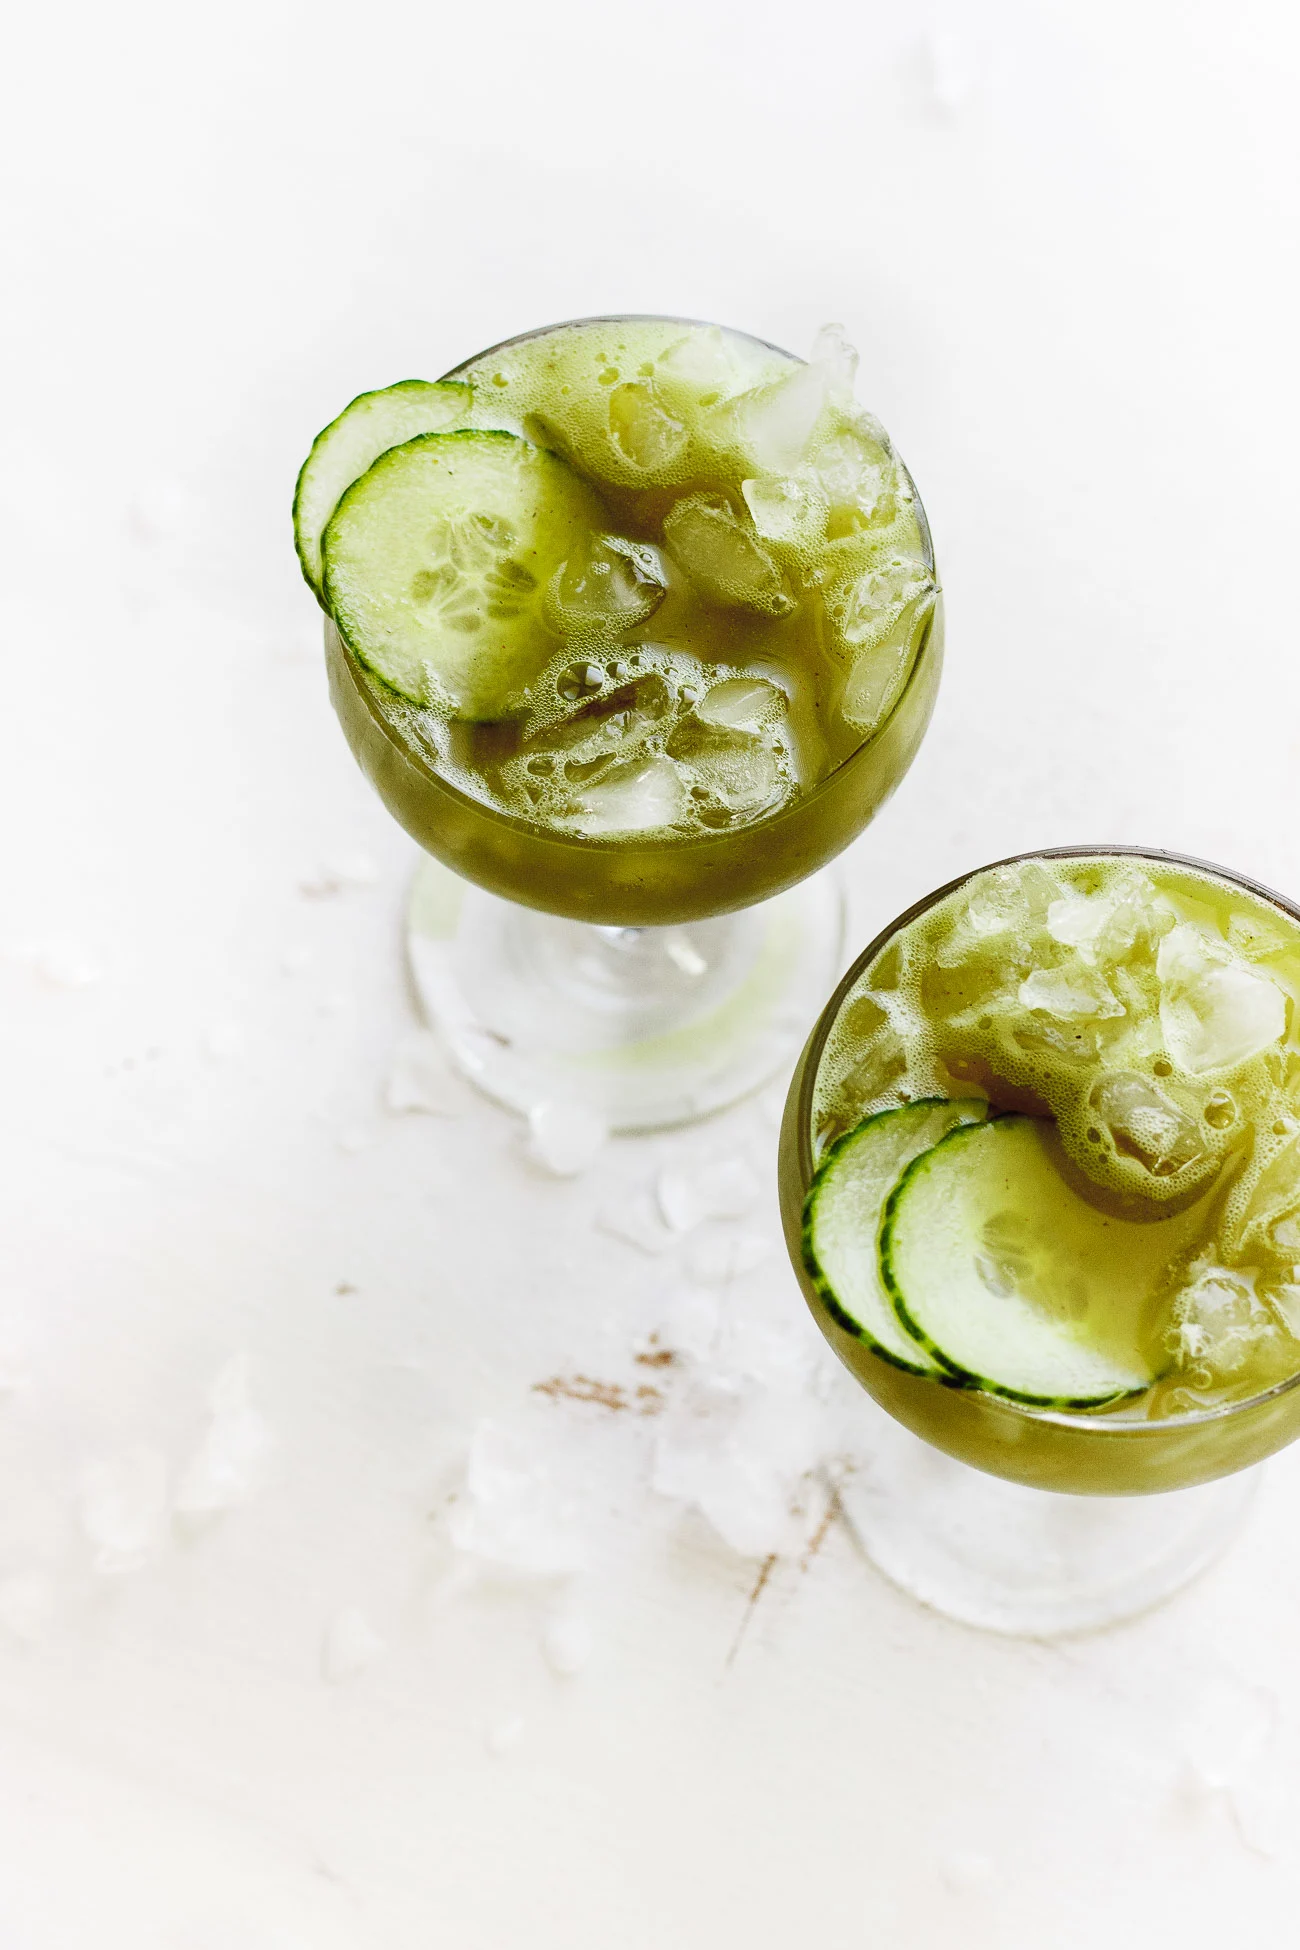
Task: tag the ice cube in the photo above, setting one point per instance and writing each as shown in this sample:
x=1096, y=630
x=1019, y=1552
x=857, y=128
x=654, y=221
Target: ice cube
x=636, y=1219
x=124, y=1509
x=1220, y=1324
x=722, y=558
x=1145, y=1124
x=776, y=424
x=230, y=1463
x=1215, y=1012
x=641, y=427
x=614, y=722
x=567, y=1643
x=833, y=356
x=1010, y=899
x=738, y=1451
x=514, y=1512
x=421, y=1077
x=881, y=665
x=856, y=478
x=867, y=609
x=1072, y=994
x=742, y=703
x=610, y=586
x=719, y=1258
x=637, y=796
x=703, y=360
x=785, y=507
x=688, y=1195
x=1108, y=925
x=564, y=1138
x=1273, y=1212
x=742, y=769
x=690, y=1322
x=349, y=1646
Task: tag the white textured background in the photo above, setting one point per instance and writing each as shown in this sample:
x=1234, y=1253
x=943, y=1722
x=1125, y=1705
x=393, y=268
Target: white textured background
x=1064, y=236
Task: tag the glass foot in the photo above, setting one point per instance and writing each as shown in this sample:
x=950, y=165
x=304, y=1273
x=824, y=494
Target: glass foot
x=646, y=1027
x=1029, y=1562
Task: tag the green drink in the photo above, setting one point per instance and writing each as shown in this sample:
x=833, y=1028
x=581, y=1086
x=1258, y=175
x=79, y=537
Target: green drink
x=631, y=621
x=1040, y=1173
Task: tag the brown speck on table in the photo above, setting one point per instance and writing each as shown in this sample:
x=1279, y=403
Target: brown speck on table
x=604, y=1394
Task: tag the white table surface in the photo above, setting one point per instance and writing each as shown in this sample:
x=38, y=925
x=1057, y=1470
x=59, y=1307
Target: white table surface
x=1064, y=237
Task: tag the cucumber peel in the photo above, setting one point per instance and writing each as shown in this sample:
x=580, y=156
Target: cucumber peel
x=842, y=1218
x=351, y=444
x=1012, y=1282
x=438, y=559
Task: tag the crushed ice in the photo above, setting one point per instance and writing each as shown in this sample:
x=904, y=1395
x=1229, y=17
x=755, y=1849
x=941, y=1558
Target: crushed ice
x=516, y=1513
x=350, y=1645
x=124, y=1509
x=565, y=1138
x=567, y=1643
x=688, y=1195
x=230, y=1462
x=421, y=1078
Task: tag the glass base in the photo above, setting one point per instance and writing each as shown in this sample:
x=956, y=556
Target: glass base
x=1030, y=1562
x=646, y=1027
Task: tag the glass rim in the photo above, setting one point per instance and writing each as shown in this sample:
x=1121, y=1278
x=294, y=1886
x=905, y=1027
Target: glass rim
x=920, y=660
x=1095, y=1422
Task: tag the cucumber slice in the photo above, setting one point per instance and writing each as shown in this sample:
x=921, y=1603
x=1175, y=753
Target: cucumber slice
x=367, y=428
x=1010, y=1280
x=842, y=1214
x=437, y=560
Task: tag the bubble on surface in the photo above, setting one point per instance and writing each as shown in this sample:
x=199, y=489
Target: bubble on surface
x=1215, y=1013
x=565, y=1138
x=350, y=1645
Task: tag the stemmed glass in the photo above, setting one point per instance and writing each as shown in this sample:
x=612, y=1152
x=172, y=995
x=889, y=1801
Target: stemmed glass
x=649, y=978
x=1021, y=1519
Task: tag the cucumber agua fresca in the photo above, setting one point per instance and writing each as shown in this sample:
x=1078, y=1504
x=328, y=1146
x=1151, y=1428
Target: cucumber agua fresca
x=624, y=578
x=1114, y=1222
